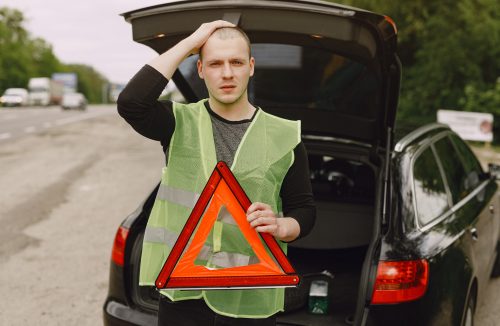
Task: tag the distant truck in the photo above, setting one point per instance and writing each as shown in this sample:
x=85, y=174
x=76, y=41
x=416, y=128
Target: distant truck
x=45, y=91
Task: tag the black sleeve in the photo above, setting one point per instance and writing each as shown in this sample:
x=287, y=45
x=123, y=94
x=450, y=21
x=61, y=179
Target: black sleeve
x=296, y=192
x=138, y=104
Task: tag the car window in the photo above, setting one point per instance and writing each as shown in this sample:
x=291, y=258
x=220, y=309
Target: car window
x=293, y=76
x=14, y=92
x=470, y=161
x=430, y=193
x=459, y=182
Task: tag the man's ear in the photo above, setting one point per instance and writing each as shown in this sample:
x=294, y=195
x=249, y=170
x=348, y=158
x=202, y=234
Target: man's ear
x=199, y=65
x=252, y=65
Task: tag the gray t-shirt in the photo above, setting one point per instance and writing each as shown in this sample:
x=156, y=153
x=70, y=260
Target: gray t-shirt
x=227, y=135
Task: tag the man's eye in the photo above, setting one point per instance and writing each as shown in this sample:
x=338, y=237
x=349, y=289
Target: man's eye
x=214, y=64
x=237, y=62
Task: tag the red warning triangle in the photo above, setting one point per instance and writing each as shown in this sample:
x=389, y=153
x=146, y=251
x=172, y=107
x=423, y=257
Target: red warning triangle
x=222, y=189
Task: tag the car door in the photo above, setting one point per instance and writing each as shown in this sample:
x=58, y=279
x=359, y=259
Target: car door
x=478, y=181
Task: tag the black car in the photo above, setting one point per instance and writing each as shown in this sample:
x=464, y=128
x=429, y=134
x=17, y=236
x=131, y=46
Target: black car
x=408, y=223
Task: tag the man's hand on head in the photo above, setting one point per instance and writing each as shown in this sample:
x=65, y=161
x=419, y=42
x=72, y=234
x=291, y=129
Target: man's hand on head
x=201, y=35
x=167, y=62
x=263, y=219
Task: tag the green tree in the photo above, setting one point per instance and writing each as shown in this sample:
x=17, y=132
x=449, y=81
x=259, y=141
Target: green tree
x=446, y=47
x=15, y=63
x=23, y=57
x=44, y=61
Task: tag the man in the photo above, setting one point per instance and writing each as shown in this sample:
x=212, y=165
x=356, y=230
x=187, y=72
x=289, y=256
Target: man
x=264, y=152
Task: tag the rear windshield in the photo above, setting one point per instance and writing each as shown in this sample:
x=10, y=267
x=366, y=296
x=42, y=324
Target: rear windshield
x=304, y=77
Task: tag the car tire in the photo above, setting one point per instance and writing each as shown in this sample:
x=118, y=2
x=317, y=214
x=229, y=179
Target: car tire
x=469, y=311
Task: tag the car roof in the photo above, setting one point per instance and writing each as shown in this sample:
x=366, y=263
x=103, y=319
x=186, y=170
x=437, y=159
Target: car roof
x=408, y=133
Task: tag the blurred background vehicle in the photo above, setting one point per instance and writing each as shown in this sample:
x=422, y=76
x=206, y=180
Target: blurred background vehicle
x=14, y=97
x=44, y=91
x=74, y=101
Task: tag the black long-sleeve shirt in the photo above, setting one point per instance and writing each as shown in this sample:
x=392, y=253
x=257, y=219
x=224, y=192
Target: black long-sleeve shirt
x=138, y=104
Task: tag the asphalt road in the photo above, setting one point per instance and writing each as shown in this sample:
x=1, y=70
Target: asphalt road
x=66, y=186
x=65, y=190
x=19, y=121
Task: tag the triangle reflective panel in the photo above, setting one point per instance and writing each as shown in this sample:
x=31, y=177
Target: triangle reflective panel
x=180, y=270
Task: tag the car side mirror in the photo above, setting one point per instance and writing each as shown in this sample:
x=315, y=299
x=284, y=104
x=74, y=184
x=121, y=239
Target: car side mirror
x=494, y=171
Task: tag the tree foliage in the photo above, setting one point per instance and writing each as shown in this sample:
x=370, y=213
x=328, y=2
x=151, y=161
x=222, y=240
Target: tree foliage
x=23, y=56
x=449, y=50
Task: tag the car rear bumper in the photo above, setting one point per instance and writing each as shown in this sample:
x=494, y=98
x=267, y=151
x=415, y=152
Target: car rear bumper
x=116, y=313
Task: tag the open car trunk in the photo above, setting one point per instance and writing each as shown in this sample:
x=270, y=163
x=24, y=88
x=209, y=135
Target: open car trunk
x=344, y=186
x=336, y=248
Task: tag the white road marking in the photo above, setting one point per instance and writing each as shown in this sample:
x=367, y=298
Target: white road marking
x=5, y=135
x=29, y=129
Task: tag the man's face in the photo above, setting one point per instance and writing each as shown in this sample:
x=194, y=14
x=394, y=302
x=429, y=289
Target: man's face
x=226, y=68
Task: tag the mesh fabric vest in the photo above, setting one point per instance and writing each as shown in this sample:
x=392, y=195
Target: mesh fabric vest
x=260, y=164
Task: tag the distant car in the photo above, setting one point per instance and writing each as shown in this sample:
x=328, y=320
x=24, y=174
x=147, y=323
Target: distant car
x=74, y=101
x=407, y=221
x=14, y=97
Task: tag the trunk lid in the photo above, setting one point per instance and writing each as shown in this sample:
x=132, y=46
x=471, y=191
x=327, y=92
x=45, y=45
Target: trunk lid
x=333, y=67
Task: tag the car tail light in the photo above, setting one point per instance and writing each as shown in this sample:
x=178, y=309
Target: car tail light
x=393, y=24
x=118, y=252
x=400, y=281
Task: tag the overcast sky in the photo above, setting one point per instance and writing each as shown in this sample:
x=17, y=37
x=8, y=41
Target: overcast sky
x=89, y=32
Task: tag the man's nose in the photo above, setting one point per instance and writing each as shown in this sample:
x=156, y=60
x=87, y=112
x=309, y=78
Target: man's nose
x=227, y=70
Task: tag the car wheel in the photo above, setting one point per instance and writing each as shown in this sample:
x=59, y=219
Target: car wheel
x=469, y=313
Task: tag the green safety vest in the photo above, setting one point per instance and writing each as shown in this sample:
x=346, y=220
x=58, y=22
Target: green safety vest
x=260, y=164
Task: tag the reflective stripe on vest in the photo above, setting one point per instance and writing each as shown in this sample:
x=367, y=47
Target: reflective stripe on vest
x=177, y=196
x=220, y=258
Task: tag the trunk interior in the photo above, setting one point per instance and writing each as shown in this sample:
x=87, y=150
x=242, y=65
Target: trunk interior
x=334, y=251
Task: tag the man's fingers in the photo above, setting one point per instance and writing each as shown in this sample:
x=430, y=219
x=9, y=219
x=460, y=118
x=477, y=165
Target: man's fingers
x=201, y=35
x=272, y=229
x=258, y=207
x=263, y=221
x=259, y=213
x=223, y=23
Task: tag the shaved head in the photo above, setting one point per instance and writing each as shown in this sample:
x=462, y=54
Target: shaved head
x=227, y=33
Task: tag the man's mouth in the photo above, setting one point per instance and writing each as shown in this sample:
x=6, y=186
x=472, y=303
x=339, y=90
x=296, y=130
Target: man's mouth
x=227, y=87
